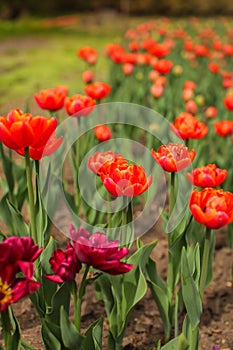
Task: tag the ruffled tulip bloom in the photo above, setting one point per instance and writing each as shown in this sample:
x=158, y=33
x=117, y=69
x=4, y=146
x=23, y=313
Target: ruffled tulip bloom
x=96, y=161
x=95, y=250
x=79, y=105
x=187, y=126
x=88, y=54
x=19, y=131
x=52, y=99
x=102, y=132
x=17, y=255
x=173, y=157
x=97, y=90
x=88, y=76
x=163, y=66
x=122, y=179
x=224, y=128
x=207, y=176
x=65, y=265
x=212, y=208
x=228, y=101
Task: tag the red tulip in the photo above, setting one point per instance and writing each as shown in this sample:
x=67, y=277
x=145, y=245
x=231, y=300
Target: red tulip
x=17, y=256
x=224, y=128
x=191, y=107
x=122, y=179
x=79, y=105
x=102, y=132
x=97, y=90
x=163, y=66
x=88, y=54
x=189, y=84
x=212, y=208
x=65, y=264
x=95, y=250
x=96, y=161
x=213, y=68
x=188, y=127
x=19, y=131
x=52, y=98
x=207, y=176
x=128, y=68
x=173, y=157
x=157, y=90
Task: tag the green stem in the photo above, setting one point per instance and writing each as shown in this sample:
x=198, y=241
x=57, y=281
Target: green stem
x=127, y=233
x=77, y=161
x=6, y=325
x=205, y=261
x=78, y=299
x=31, y=196
x=176, y=326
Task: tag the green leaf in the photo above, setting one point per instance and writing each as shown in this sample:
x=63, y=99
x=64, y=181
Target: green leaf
x=61, y=297
x=93, y=336
x=190, y=292
x=15, y=338
x=160, y=294
x=19, y=222
x=48, y=333
x=26, y=346
x=71, y=338
x=178, y=343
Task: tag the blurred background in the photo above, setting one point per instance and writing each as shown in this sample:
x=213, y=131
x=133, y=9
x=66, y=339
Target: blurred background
x=11, y=9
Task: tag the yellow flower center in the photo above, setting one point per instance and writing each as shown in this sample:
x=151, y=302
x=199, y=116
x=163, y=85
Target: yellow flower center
x=5, y=292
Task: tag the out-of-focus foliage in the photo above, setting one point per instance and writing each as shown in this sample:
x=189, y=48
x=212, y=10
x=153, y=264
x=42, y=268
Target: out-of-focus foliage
x=14, y=8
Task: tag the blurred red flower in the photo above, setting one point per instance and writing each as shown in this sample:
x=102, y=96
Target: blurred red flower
x=211, y=112
x=173, y=157
x=65, y=264
x=189, y=127
x=19, y=131
x=212, y=208
x=191, y=107
x=163, y=66
x=88, y=54
x=97, y=90
x=224, y=128
x=228, y=101
x=128, y=68
x=102, y=132
x=52, y=99
x=122, y=179
x=79, y=105
x=95, y=250
x=207, y=176
x=213, y=67
x=88, y=76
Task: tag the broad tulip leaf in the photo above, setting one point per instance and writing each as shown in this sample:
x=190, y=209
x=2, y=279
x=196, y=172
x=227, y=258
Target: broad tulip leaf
x=19, y=222
x=93, y=336
x=48, y=333
x=191, y=295
x=178, y=343
x=71, y=338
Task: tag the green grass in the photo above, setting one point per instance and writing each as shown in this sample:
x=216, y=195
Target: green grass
x=34, y=57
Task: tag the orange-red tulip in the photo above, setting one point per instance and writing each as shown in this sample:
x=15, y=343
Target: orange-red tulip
x=19, y=131
x=52, y=99
x=122, y=179
x=173, y=157
x=212, y=208
x=97, y=90
x=102, y=132
x=224, y=128
x=79, y=105
x=188, y=127
x=207, y=176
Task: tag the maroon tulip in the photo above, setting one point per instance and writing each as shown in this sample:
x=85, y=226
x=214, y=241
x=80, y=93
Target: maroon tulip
x=17, y=256
x=95, y=250
x=65, y=264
